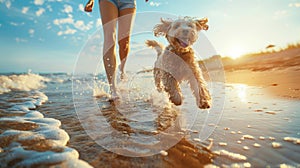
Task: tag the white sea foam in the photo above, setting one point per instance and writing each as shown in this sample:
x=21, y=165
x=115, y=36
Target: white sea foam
x=15, y=152
x=160, y=99
x=222, y=143
x=24, y=82
x=34, y=114
x=286, y=166
x=37, y=99
x=54, y=135
x=135, y=88
x=99, y=89
x=28, y=158
x=247, y=137
x=238, y=165
x=18, y=107
x=246, y=148
x=276, y=145
x=231, y=155
x=292, y=139
x=256, y=145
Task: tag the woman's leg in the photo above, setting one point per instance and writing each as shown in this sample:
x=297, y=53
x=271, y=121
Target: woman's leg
x=109, y=15
x=126, y=17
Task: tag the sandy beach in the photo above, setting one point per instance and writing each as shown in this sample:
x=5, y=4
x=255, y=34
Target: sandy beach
x=38, y=120
x=236, y=139
x=283, y=82
x=276, y=71
x=56, y=107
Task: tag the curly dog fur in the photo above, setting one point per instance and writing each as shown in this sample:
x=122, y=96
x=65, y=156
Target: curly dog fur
x=176, y=62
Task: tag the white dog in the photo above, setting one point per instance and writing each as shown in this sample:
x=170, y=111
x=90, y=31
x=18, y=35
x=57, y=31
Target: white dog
x=176, y=62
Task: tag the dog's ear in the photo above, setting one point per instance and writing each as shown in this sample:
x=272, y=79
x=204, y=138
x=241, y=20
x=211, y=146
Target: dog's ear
x=202, y=24
x=162, y=28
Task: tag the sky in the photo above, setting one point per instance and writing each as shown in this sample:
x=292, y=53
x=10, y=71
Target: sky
x=48, y=35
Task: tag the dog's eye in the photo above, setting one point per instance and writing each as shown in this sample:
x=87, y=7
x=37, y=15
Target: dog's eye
x=191, y=25
x=176, y=26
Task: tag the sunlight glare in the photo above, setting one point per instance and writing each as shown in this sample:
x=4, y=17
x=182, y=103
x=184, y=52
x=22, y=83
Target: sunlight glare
x=236, y=52
x=242, y=92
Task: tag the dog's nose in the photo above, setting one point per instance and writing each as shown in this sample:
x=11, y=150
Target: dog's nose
x=185, y=32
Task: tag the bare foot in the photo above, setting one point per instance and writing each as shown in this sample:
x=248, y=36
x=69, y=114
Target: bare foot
x=113, y=95
x=89, y=6
x=123, y=75
x=115, y=99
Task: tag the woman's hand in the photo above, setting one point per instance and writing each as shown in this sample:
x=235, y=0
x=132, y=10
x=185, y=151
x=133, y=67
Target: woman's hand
x=89, y=6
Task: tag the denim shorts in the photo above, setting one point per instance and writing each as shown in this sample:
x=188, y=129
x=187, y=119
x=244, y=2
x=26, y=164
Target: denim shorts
x=123, y=4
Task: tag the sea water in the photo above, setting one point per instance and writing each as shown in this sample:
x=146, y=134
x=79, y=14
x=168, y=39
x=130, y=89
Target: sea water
x=28, y=137
x=39, y=125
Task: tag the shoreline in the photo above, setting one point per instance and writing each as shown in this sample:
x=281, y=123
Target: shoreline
x=282, y=83
x=188, y=151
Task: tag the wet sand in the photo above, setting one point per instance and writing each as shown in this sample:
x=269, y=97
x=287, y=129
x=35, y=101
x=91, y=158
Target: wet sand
x=184, y=153
x=239, y=119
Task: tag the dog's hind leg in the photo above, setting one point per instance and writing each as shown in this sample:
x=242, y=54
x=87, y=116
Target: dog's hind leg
x=172, y=87
x=157, y=79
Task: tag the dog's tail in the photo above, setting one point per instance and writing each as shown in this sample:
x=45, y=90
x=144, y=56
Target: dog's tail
x=154, y=44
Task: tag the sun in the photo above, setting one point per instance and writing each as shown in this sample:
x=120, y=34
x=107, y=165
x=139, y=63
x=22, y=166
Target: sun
x=236, y=52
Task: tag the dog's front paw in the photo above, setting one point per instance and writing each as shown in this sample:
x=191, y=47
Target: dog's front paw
x=176, y=99
x=204, y=104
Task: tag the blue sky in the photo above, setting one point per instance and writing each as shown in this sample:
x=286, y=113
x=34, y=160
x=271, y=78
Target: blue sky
x=47, y=35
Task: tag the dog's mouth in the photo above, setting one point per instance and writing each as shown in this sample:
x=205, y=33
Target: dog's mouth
x=184, y=42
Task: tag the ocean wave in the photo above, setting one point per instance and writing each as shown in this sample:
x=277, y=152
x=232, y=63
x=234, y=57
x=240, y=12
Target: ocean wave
x=28, y=139
x=22, y=82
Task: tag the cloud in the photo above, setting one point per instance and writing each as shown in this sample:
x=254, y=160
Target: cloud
x=68, y=9
x=20, y=40
x=48, y=26
x=31, y=32
x=25, y=10
x=49, y=8
x=54, y=0
x=70, y=31
x=59, y=33
x=296, y=4
x=38, y=2
x=79, y=24
x=16, y=24
x=68, y=20
x=8, y=4
x=40, y=12
x=154, y=4
x=82, y=26
x=98, y=23
x=81, y=7
x=66, y=32
x=280, y=14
